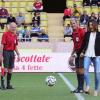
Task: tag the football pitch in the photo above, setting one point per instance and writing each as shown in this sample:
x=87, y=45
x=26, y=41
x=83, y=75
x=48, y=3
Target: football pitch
x=32, y=86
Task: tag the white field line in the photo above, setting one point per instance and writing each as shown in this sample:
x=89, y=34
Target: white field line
x=71, y=87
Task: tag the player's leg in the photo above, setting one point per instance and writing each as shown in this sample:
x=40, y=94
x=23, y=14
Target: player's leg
x=9, y=74
x=81, y=74
x=4, y=70
x=96, y=62
x=79, y=77
x=87, y=62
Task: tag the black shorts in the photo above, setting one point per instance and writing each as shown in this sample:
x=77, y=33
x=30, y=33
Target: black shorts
x=8, y=59
x=79, y=61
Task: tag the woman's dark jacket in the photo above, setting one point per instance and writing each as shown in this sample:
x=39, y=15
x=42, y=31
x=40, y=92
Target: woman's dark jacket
x=86, y=43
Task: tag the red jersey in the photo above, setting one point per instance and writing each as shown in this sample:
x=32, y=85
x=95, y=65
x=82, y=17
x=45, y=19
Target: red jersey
x=37, y=5
x=78, y=36
x=67, y=12
x=9, y=41
x=3, y=12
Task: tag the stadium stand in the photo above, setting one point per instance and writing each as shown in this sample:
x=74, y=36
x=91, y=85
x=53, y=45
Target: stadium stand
x=51, y=22
x=15, y=6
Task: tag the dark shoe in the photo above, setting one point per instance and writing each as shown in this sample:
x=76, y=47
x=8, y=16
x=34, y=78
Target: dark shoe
x=3, y=87
x=77, y=91
x=9, y=87
x=87, y=92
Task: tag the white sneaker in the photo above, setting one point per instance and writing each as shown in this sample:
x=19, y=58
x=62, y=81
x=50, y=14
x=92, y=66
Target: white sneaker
x=95, y=93
x=87, y=90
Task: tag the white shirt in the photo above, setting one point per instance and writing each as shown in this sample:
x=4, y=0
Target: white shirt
x=90, y=52
x=68, y=31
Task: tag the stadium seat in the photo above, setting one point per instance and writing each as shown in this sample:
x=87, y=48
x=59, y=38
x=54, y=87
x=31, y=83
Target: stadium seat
x=20, y=28
x=28, y=18
x=67, y=21
x=45, y=28
x=79, y=0
x=29, y=27
x=9, y=9
x=43, y=16
x=1, y=31
x=23, y=10
x=3, y=20
x=22, y=4
x=78, y=3
x=7, y=4
x=95, y=9
x=29, y=6
x=29, y=0
x=34, y=39
x=15, y=4
x=69, y=3
x=88, y=9
x=81, y=9
x=44, y=23
x=0, y=4
x=14, y=10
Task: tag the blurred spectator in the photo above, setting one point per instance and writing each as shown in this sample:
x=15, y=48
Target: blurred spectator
x=20, y=19
x=98, y=20
x=10, y=19
x=67, y=13
x=86, y=2
x=35, y=31
x=84, y=18
x=3, y=12
x=19, y=32
x=98, y=3
x=43, y=37
x=3, y=15
x=93, y=17
x=24, y=34
x=93, y=2
x=68, y=31
x=37, y=6
x=36, y=19
x=76, y=11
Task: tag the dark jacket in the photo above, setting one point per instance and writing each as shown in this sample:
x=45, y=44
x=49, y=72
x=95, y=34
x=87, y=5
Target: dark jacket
x=11, y=19
x=86, y=42
x=36, y=20
x=86, y=2
x=82, y=17
x=3, y=12
x=98, y=21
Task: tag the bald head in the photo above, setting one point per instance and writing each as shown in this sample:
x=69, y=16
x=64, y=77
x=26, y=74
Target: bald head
x=12, y=27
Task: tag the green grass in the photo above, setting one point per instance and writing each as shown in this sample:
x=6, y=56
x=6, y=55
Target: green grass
x=31, y=86
x=73, y=80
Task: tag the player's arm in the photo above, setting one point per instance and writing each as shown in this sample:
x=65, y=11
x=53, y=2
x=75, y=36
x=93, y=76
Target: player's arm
x=1, y=49
x=73, y=52
x=1, y=53
x=17, y=52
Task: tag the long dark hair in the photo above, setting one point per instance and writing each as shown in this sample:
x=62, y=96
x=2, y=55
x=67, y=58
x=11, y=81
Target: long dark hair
x=95, y=25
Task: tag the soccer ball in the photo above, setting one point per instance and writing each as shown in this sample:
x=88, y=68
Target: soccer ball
x=50, y=80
